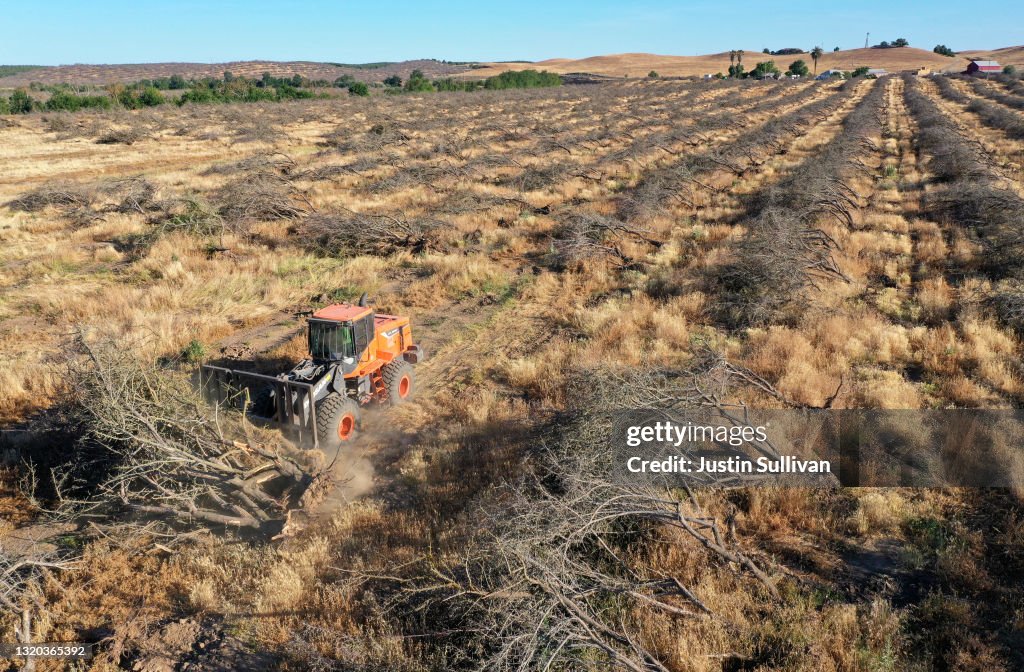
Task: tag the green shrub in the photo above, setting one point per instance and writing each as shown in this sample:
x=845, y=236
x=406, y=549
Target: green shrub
x=290, y=92
x=944, y=50
x=522, y=79
x=151, y=97
x=798, y=67
x=5, y=107
x=127, y=100
x=451, y=84
x=194, y=352
x=418, y=82
x=763, y=69
x=359, y=89
x=198, y=96
x=652, y=74
x=254, y=94
x=65, y=101
x=860, y=72
x=394, y=81
x=21, y=102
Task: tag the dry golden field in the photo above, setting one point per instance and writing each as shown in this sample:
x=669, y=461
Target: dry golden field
x=806, y=245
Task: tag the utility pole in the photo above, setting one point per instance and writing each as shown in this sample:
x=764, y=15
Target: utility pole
x=866, y=39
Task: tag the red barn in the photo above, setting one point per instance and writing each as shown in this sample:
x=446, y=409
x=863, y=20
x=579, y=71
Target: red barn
x=983, y=68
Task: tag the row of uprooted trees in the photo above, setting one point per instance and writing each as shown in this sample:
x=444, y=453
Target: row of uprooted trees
x=677, y=182
x=578, y=235
x=559, y=572
x=993, y=115
x=786, y=250
x=582, y=235
x=680, y=182
x=273, y=187
x=975, y=195
x=139, y=442
x=131, y=452
x=1011, y=97
x=557, y=575
x=266, y=190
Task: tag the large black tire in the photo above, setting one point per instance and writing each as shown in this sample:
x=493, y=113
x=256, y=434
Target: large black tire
x=399, y=381
x=337, y=422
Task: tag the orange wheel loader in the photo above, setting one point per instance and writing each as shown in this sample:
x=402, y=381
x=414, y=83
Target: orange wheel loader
x=357, y=357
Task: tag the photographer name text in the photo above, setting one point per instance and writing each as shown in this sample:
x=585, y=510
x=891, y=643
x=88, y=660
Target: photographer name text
x=732, y=465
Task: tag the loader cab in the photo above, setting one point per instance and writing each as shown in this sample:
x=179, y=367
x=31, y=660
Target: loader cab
x=341, y=334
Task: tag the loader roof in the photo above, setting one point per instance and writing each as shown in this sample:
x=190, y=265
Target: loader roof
x=342, y=312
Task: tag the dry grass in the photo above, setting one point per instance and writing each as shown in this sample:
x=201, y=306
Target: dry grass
x=510, y=296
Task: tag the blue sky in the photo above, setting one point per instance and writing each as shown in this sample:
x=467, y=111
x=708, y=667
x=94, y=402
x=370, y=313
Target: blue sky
x=50, y=32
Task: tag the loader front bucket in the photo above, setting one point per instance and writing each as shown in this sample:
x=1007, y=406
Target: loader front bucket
x=294, y=410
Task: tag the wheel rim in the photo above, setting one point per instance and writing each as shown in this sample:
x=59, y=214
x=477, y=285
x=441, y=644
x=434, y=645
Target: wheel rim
x=404, y=385
x=346, y=426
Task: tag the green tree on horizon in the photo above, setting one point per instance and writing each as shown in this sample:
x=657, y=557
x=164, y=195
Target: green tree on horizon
x=798, y=67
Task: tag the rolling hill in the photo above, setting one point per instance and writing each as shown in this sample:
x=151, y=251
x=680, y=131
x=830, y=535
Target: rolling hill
x=83, y=74
x=638, y=65
x=611, y=65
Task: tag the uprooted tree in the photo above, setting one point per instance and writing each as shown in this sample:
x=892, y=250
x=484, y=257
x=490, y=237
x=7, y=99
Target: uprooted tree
x=580, y=237
x=21, y=592
x=560, y=573
x=349, y=232
x=788, y=251
x=158, y=451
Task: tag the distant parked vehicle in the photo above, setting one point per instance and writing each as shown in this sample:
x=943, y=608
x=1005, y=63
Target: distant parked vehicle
x=831, y=74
